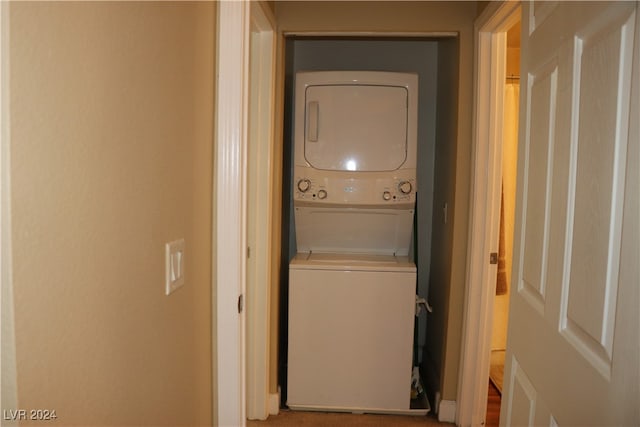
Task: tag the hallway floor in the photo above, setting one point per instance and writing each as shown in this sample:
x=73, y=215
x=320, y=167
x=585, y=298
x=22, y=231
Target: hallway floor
x=288, y=418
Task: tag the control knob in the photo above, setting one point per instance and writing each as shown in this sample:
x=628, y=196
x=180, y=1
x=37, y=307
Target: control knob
x=322, y=194
x=405, y=187
x=386, y=195
x=304, y=184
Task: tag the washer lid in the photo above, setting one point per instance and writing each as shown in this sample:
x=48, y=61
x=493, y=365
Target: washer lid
x=353, y=230
x=352, y=262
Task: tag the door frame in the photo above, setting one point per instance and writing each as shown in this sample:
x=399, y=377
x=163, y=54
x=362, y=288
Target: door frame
x=9, y=392
x=260, y=194
x=230, y=216
x=489, y=78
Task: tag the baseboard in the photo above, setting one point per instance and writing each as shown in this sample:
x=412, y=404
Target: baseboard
x=447, y=411
x=274, y=403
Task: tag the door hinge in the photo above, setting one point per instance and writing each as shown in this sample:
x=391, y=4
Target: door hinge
x=240, y=303
x=493, y=258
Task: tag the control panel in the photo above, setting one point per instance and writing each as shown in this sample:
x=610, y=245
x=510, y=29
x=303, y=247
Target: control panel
x=357, y=189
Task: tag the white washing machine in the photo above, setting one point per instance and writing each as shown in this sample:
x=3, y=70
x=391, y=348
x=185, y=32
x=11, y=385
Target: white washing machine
x=352, y=284
x=351, y=324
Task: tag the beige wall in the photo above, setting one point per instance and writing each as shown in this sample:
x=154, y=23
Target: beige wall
x=482, y=5
x=457, y=17
x=111, y=109
x=513, y=61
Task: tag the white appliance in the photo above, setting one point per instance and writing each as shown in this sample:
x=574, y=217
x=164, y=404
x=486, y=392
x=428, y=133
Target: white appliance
x=352, y=284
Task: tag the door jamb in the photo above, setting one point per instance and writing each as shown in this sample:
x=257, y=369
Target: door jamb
x=261, y=135
x=489, y=77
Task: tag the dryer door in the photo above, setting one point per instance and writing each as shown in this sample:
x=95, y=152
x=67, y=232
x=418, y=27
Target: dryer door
x=356, y=127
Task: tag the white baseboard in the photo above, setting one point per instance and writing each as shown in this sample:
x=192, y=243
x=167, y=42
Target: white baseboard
x=447, y=411
x=274, y=403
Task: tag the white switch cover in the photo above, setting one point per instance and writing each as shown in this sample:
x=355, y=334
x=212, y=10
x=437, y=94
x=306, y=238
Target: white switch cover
x=174, y=265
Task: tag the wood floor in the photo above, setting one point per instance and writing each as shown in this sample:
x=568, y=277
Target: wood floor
x=288, y=418
x=493, y=407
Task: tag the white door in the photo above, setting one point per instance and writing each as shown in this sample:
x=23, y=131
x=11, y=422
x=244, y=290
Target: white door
x=573, y=343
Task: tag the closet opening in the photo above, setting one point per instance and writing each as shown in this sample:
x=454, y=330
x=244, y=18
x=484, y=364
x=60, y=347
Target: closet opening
x=435, y=60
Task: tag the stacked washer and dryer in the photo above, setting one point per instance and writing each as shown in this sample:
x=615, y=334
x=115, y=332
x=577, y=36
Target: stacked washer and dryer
x=352, y=283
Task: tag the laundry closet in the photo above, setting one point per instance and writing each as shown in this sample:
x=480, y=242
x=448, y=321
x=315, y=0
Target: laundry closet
x=323, y=240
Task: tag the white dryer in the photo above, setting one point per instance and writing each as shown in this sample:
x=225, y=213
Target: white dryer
x=352, y=284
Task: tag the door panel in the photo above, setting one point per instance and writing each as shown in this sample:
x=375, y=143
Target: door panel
x=572, y=350
x=540, y=123
x=538, y=13
x=602, y=74
x=522, y=398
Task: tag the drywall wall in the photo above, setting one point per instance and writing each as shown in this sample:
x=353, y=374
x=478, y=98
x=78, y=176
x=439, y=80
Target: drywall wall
x=111, y=109
x=482, y=5
x=443, y=210
x=308, y=17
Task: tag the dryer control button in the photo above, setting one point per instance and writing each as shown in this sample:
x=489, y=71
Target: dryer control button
x=405, y=187
x=304, y=185
x=386, y=195
x=322, y=194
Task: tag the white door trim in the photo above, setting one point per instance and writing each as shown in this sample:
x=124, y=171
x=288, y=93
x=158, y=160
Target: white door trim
x=260, y=175
x=9, y=392
x=229, y=223
x=407, y=34
x=489, y=79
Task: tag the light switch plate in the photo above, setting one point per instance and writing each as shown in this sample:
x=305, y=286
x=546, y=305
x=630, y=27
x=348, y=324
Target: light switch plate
x=174, y=265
